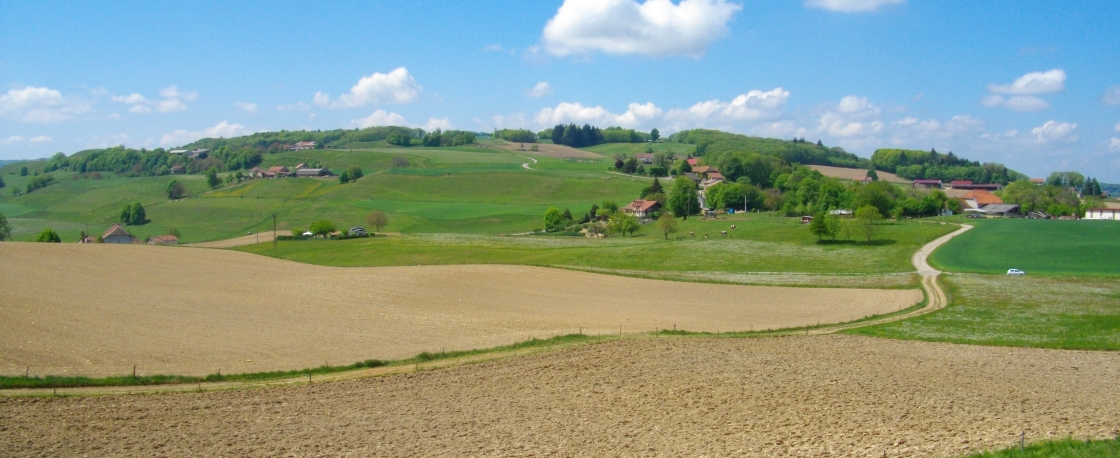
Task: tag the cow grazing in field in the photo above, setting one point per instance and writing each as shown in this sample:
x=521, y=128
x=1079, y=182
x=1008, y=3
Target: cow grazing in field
x=733, y=227
x=722, y=233
x=691, y=234
x=705, y=235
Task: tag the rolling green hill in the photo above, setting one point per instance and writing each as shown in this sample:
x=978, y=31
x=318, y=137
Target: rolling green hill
x=454, y=190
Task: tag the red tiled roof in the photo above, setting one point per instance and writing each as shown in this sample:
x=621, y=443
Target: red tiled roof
x=116, y=230
x=983, y=197
x=641, y=205
x=692, y=161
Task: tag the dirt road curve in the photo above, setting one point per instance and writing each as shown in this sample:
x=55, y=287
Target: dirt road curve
x=100, y=309
x=790, y=396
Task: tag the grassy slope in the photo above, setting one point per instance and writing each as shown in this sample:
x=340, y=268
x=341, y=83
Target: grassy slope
x=1068, y=448
x=629, y=149
x=761, y=244
x=456, y=190
x=1046, y=312
x=1077, y=309
x=1035, y=246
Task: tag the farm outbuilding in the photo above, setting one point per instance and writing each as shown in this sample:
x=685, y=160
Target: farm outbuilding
x=117, y=234
x=1111, y=214
x=303, y=173
x=164, y=240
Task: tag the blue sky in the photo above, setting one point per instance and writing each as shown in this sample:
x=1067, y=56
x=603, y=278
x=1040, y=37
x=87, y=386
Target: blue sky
x=1034, y=85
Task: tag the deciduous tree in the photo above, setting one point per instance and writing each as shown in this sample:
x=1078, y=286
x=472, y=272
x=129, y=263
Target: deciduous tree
x=5, y=228
x=868, y=217
x=683, y=198
x=175, y=190
x=377, y=219
x=323, y=228
x=553, y=219
x=667, y=223
x=137, y=215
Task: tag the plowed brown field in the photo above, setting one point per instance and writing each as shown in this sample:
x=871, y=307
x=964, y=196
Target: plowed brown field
x=550, y=150
x=100, y=309
x=766, y=397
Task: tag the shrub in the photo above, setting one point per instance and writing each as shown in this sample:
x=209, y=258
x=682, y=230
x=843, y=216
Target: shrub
x=48, y=236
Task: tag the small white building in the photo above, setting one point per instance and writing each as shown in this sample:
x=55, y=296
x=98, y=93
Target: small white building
x=303, y=145
x=1103, y=214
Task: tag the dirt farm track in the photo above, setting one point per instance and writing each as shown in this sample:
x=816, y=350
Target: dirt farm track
x=99, y=309
x=788, y=396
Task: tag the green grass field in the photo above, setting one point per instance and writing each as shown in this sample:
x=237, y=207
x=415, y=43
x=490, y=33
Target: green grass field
x=1068, y=448
x=762, y=243
x=1035, y=246
x=1033, y=311
x=445, y=190
x=629, y=149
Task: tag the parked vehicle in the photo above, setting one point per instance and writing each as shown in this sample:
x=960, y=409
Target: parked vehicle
x=357, y=230
x=1015, y=272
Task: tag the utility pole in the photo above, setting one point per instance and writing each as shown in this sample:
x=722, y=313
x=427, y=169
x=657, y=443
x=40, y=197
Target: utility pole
x=274, y=231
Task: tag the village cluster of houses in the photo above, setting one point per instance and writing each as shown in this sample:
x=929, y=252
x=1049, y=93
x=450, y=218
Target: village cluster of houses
x=279, y=171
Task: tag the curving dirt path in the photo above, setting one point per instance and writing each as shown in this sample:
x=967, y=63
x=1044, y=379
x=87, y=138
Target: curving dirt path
x=935, y=296
x=526, y=164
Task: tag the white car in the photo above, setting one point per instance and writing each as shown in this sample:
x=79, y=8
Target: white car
x=1015, y=272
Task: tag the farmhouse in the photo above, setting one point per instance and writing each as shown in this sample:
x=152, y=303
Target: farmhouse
x=645, y=158
x=304, y=173
x=641, y=208
x=200, y=153
x=1103, y=214
x=692, y=162
x=978, y=199
x=692, y=176
x=164, y=240
x=715, y=176
x=116, y=234
x=1038, y=181
x=178, y=151
x=303, y=145
x=927, y=184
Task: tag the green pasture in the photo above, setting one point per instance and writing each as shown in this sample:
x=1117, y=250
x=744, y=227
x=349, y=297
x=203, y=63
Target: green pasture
x=1066, y=448
x=1032, y=311
x=1044, y=247
x=761, y=243
x=446, y=190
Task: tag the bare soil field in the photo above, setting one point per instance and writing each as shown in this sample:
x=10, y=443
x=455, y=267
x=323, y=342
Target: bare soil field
x=790, y=396
x=98, y=309
x=550, y=150
x=263, y=237
x=856, y=174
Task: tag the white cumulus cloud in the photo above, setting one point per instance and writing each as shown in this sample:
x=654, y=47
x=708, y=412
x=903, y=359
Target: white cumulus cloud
x=853, y=116
x=1053, y=131
x=172, y=101
x=1033, y=83
x=380, y=118
x=652, y=28
x=1114, y=144
x=754, y=105
x=540, y=90
x=851, y=6
x=433, y=124
x=37, y=139
x=183, y=136
x=248, y=107
x=40, y=105
x=397, y=86
x=1016, y=103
